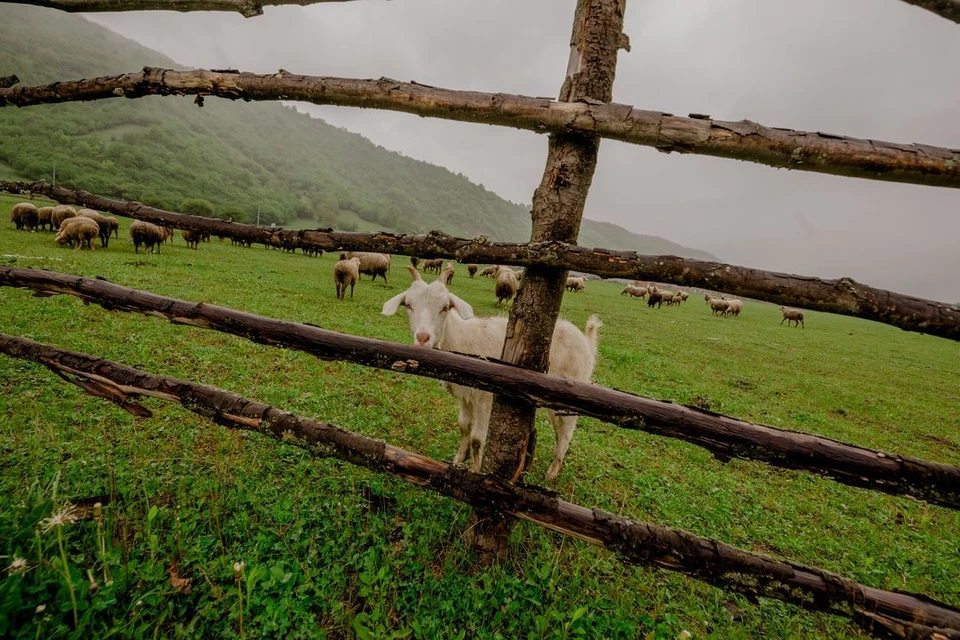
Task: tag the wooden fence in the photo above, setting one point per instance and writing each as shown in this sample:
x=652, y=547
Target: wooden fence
x=575, y=123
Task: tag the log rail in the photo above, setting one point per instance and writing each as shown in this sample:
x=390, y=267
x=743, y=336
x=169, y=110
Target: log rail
x=723, y=436
x=891, y=613
x=843, y=296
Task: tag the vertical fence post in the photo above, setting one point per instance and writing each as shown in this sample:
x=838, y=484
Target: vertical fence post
x=557, y=212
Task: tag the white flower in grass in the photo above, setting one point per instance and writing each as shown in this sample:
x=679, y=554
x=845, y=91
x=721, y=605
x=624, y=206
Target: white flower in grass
x=67, y=515
x=41, y=608
x=19, y=565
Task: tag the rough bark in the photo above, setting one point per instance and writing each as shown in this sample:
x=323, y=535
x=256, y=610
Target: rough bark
x=648, y=544
x=743, y=140
x=557, y=212
x=246, y=8
x=949, y=9
x=725, y=437
x=844, y=296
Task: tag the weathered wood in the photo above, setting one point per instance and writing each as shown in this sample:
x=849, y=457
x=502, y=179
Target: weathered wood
x=725, y=437
x=843, y=296
x=8, y=81
x=743, y=140
x=643, y=543
x=556, y=216
x=246, y=8
x=949, y=9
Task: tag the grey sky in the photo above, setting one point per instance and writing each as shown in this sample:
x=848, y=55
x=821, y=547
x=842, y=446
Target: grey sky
x=869, y=68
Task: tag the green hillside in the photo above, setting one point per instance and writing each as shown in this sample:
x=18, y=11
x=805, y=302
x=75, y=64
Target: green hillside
x=240, y=157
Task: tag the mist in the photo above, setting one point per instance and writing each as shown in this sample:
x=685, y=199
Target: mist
x=883, y=70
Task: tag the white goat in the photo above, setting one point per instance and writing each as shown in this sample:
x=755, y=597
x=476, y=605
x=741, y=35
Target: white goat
x=441, y=320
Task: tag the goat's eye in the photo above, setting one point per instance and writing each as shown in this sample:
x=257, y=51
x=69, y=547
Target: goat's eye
x=445, y=309
x=408, y=307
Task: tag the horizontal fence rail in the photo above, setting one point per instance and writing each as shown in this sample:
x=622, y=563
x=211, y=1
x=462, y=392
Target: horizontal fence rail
x=742, y=140
x=843, y=296
x=247, y=8
x=898, y=614
x=723, y=436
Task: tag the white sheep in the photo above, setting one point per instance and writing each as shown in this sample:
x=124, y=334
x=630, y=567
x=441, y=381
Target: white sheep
x=346, y=272
x=734, y=307
x=575, y=283
x=373, y=264
x=792, y=315
x=438, y=319
x=634, y=291
x=716, y=304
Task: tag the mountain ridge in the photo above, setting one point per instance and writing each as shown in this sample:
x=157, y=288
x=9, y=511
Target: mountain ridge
x=264, y=159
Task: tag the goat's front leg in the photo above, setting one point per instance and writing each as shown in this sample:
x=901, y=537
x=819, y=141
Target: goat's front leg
x=465, y=422
x=478, y=433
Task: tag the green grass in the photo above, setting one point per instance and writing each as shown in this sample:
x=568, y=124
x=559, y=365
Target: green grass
x=321, y=563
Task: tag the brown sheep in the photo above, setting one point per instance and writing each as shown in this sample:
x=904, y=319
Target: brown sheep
x=103, y=223
x=792, y=315
x=433, y=265
x=472, y=269
x=372, y=264
x=488, y=272
x=61, y=213
x=149, y=235
x=43, y=218
x=447, y=276
x=346, y=272
x=25, y=216
x=78, y=232
x=192, y=238
x=505, y=286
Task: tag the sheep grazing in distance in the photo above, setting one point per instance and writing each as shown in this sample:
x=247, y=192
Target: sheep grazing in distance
x=447, y=276
x=433, y=265
x=505, y=284
x=103, y=223
x=147, y=234
x=792, y=315
x=61, y=213
x=192, y=238
x=634, y=291
x=683, y=295
x=575, y=283
x=472, y=269
x=716, y=304
x=415, y=261
x=43, y=218
x=440, y=320
x=734, y=307
x=346, y=272
x=658, y=297
x=487, y=272
x=25, y=216
x=372, y=264
x=78, y=232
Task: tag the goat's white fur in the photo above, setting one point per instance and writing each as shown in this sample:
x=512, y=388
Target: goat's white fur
x=438, y=319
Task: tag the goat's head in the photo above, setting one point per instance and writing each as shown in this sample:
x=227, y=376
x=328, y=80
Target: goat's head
x=427, y=307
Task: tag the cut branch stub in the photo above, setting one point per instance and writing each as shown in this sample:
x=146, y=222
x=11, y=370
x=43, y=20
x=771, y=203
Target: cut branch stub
x=900, y=614
x=725, y=437
x=844, y=296
x=742, y=140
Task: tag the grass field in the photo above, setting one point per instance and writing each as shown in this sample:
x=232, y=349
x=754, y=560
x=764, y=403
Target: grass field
x=323, y=561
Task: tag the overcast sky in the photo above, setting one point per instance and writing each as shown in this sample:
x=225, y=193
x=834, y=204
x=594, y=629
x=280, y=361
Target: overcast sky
x=868, y=68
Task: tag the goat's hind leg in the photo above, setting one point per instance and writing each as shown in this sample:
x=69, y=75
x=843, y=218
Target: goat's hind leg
x=563, y=427
x=464, y=421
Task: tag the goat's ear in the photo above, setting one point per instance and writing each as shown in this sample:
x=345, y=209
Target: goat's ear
x=462, y=307
x=390, y=306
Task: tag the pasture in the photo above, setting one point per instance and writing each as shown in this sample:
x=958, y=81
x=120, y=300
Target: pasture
x=332, y=551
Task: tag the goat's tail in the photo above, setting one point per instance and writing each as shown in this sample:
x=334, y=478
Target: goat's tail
x=592, y=331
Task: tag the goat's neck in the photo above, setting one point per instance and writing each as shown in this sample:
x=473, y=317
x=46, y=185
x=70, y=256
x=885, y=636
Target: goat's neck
x=454, y=332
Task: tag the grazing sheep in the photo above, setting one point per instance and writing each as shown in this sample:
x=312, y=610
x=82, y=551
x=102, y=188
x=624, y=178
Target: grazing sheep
x=61, y=213
x=373, y=264
x=43, y=218
x=657, y=297
x=346, y=272
x=683, y=295
x=147, y=234
x=634, y=291
x=488, y=272
x=472, y=269
x=505, y=285
x=192, y=238
x=438, y=319
x=415, y=261
x=24, y=216
x=447, y=276
x=575, y=283
x=78, y=232
x=734, y=307
x=433, y=265
x=103, y=223
x=716, y=304
x=792, y=315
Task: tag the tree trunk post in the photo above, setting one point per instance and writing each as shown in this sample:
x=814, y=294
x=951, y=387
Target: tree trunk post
x=557, y=212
